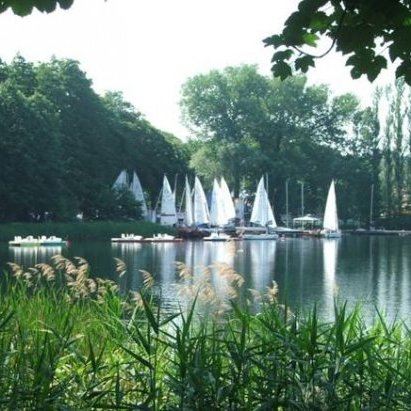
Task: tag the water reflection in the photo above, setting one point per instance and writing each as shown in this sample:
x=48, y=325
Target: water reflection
x=165, y=254
x=392, y=287
x=372, y=271
x=262, y=263
x=220, y=259
x=30, y=256
x=330, y=255
x=130, y=253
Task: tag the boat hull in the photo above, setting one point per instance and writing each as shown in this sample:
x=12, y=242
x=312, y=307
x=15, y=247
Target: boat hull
x=259, y=237
x=330, y=234
x=31, y=241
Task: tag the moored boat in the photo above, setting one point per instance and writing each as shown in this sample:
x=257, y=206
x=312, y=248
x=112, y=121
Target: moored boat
x=163, y=238
x=52, y=240
x=262, y=236
x=262, y=216
x=31, y=241
x=128, y=238
x=217, y=236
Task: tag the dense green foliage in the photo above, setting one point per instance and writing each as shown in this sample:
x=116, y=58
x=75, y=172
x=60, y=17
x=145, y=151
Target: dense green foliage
x=368, y=33
x=69, y=341
x=62, y=146
x=247, y=125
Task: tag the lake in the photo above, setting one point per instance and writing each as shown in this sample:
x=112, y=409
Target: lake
x=372, y=270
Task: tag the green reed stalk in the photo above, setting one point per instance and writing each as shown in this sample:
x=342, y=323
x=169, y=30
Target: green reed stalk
x=68, y=341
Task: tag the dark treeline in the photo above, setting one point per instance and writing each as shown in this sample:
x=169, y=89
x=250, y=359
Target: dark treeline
x=62, y=145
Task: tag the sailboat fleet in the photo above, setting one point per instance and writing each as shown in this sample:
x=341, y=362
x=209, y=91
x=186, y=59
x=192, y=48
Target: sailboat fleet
x=212, y=221
x=216, y=216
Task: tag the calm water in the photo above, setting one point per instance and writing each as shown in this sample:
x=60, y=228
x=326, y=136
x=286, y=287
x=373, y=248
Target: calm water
x=375, y=271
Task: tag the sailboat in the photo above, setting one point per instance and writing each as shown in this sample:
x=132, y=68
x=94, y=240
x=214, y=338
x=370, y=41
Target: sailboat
x=228, y=204
x=121, y=181
x=189, y=229
x=137, y=190
x=200, y=206
x=188, y=214
x=168, y=214
x=217, y=212
x=330, y=221
x=262, y=215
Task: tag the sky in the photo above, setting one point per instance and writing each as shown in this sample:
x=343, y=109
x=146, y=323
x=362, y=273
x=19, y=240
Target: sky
x=147, y=49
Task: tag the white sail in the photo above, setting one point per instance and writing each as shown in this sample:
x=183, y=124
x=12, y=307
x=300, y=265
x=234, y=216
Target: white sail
x=122, y=180
x=138, y=194
x=168, y=214
x=200, y=208
x=262, y=213
x=217, y=216
x=188, y=215
x=330, y=221
x=228, y=204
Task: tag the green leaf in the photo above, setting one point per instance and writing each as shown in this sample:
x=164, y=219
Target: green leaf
x=354, y=38
x=276, y=40
x=355, y=73
x=310, y=39
x=320, y=22
x=404, y=70
x=282, y=55
x=375, y=68
x=45, y=5
x=137, y=357
x=281, y=70
x=22, y=8
x=309, y=7
x=25, y=7
x=304, y=63
x=65, y=4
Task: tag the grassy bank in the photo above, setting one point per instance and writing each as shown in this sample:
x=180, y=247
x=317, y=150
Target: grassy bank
x=77, y=231
x=70, y=342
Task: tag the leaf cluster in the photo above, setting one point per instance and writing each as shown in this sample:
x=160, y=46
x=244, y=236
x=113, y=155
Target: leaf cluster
x=361, y=30
x=24, y=8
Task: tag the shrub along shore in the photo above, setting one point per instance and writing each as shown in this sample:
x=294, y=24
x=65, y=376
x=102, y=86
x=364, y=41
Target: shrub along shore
x=82, y=231
x=69, y=341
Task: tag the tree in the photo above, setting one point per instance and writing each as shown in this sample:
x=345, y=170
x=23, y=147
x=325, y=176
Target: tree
x=361, y=30
x=387, y=169
x=397, y=111
x=62, y=145
x=88, y=138
x=148, y=151
x=251, y=124
x=30, y=181
x=367, y=150
x=219, y=107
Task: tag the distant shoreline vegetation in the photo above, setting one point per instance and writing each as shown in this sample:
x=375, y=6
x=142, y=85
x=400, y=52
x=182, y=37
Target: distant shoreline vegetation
x=82, y=231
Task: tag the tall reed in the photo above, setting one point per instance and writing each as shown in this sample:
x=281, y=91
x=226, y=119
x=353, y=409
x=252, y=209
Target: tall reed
x=68, y=341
